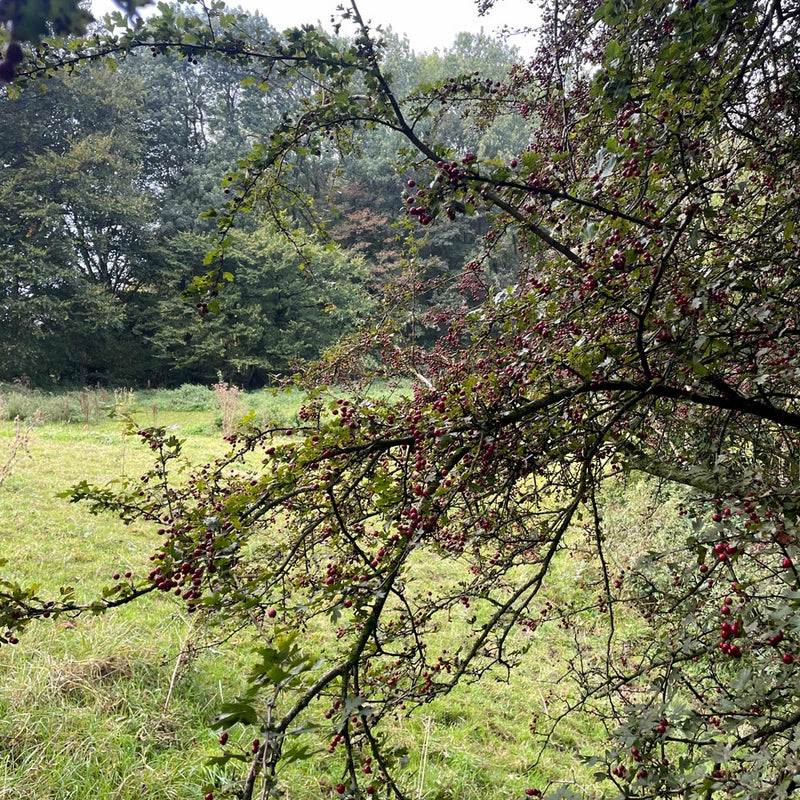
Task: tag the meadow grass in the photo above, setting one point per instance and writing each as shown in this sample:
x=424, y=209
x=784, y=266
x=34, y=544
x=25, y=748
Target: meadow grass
x=119, y=706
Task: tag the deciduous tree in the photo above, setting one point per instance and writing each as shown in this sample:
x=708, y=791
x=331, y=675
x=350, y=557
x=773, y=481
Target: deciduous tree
x=652, y=328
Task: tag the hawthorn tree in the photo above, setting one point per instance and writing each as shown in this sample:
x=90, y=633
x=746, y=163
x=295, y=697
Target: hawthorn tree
x=651, y=328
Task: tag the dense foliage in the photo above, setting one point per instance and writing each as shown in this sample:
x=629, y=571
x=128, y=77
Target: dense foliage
x=651, y=326
x=106, y=176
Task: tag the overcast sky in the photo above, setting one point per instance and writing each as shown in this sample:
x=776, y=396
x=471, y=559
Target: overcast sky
x=429, y=24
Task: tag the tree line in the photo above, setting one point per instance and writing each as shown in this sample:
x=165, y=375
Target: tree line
x=106, y=178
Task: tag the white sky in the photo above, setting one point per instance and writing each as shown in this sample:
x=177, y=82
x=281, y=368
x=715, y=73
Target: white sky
x=429, y=24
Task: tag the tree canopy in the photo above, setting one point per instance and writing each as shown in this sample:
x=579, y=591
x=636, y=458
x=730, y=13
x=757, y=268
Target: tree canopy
x=106, y=178
x=650, y=328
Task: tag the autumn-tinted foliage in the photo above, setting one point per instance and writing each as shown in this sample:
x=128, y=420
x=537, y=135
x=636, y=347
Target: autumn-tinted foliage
x=652, y=327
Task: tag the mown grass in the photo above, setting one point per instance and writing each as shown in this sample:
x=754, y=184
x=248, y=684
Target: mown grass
x=119, y=706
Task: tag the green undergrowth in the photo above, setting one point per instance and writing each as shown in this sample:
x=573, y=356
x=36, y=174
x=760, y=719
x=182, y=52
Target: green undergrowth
x=199, y=408
x=119, y=706
x=92, y=406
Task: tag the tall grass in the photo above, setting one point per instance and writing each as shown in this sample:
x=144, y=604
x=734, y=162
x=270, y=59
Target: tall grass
x=91, y=405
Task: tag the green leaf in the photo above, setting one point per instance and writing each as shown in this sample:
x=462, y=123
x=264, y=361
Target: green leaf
x=613, y=52
x=231, y=714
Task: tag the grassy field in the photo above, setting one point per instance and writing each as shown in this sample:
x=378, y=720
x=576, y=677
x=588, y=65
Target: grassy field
x=119, y=706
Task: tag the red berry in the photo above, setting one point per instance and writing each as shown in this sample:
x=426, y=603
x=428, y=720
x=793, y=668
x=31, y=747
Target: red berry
x=787, y=562
x=272, y=613
x=340, y=788
x=787, y=658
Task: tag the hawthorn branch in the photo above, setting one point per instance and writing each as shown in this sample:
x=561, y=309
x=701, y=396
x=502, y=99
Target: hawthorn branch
x=651, y=295
x=768, y=731
x=731, y=400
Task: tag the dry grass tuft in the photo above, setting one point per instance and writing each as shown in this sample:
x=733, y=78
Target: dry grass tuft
x=88, y=678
